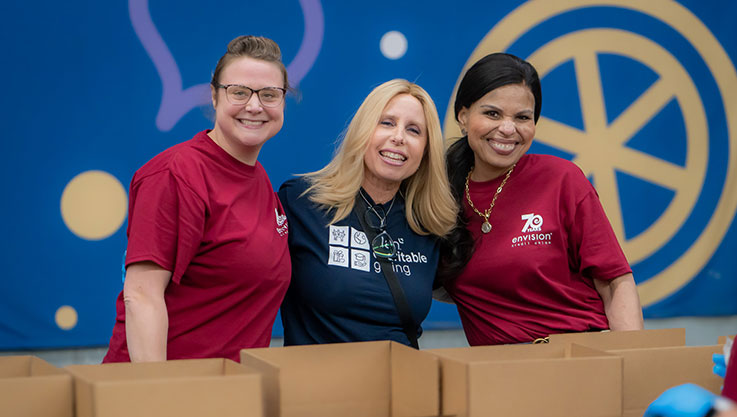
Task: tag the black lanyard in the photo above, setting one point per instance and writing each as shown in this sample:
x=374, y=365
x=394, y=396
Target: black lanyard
x=400, y=300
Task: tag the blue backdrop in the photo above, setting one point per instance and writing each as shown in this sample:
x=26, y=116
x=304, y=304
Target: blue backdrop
x=642, y=95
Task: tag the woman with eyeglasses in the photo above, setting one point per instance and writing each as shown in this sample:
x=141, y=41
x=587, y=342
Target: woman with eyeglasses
x=207, y=258
x=377, y=208
x=533, y=253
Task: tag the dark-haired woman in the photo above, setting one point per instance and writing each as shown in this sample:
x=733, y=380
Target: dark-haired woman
x=533, y=252
x=207, y=260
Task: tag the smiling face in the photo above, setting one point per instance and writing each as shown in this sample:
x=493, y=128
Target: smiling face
x=500, y=127
x=396, y=148
x=241, y=130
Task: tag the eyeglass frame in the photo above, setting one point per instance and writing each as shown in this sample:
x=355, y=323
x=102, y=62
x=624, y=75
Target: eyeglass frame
x=381, y=230
x=253, y=91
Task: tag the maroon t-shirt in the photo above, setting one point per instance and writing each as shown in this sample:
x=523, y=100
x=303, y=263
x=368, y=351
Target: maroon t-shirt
x=218, y=226
x=730, y=379
x=531, y=276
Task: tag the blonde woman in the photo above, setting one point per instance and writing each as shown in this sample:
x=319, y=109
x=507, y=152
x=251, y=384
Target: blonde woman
x=378, y=207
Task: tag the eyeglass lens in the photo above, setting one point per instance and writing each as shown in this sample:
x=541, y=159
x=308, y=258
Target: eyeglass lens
x=269, y=96
x=375, y=218
x=382, y=245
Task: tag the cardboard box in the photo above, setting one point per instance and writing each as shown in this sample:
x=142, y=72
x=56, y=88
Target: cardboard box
x=182, y=388
x=31, y=387
x=530, y=380
x=650, y=371
x=363, y=379
x=624, y=339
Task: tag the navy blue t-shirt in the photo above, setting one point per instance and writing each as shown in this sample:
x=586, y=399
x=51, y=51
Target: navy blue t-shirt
x=338, y=292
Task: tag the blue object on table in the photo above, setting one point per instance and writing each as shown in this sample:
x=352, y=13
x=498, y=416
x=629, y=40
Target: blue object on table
x=720, y=366
x=687, y=400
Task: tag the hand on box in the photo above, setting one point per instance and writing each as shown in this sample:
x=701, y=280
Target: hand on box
x=687, y=400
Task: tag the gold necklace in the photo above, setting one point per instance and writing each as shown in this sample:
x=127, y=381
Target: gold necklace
x=486, y=226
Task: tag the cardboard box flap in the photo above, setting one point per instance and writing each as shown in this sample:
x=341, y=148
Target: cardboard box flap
x=191, y=387
x=623, y=339
x=189, y=368
x=415, y=379
x=524, y=380
x=582, y=387
x=650, y=371
x=15, y=366
x=359, y=379
x=39, y=367
x=574, y=350
x=234, y=396
x=29, y=386
x=502, y=352
x=313, y=374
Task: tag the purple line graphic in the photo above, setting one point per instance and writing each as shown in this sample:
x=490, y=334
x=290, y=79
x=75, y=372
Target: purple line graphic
x=176, y=101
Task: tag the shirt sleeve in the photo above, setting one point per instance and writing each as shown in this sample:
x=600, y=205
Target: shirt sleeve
x=596, y=249
x=730, y=379
x=166, y=222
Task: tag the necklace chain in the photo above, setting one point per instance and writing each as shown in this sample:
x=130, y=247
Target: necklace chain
x=486, y=226
x=382, y=219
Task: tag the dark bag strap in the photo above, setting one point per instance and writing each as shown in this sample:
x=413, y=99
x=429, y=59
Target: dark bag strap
x=400, y=300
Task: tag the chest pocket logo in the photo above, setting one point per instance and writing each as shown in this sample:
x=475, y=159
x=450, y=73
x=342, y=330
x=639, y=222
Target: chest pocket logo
x=534, y=222
x=281, y=223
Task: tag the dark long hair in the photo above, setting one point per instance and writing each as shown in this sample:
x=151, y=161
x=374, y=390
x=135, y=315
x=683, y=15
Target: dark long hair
x=487, y=74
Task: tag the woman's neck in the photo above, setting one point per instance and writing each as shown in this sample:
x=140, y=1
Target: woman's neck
x=380, y=192
x=483, y=172
x=243, y=154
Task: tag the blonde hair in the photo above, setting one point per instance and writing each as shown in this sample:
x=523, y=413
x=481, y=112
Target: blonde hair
x=430, y=207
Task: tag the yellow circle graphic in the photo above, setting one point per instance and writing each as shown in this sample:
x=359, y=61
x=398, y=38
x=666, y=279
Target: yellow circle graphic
x=66, y=317
x=94, y=205
x=600, y=148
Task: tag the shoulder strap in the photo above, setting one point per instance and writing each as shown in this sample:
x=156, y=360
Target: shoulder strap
x=400, y=300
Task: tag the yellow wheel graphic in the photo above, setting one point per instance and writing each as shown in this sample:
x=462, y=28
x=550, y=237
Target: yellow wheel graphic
x=600, y=149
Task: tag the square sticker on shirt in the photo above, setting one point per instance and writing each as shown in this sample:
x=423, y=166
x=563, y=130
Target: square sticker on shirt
x=338, y=256
x=360, y=259
x=338, y=235
x=359, y=239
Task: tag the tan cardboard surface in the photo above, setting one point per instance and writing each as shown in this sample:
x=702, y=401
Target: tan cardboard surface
x=412, y=371
x=530, y=380
x=723, y=339
x=357, y=379
x=650, y=371
x=624, y=339
x=183, y=388
x=639, y=412
x=30, y=386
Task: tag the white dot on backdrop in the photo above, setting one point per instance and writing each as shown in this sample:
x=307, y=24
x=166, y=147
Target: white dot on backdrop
x=393, y=45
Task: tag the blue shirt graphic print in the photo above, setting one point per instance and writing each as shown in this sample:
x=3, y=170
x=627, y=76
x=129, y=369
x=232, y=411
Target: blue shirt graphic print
x=338, y=292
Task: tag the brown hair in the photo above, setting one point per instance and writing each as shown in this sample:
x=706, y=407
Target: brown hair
x=256, y=47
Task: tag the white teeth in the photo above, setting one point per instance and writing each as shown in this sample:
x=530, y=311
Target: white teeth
x=505, y=147
x=251, y=122
x=393, y=155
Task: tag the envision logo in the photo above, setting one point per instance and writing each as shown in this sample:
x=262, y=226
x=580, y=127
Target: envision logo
x=533, y=224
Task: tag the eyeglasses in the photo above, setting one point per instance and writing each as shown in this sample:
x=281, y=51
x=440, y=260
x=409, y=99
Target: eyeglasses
x=240, y=94
x=382, y=244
